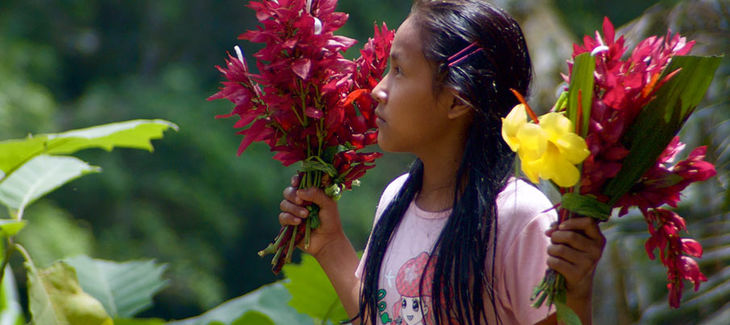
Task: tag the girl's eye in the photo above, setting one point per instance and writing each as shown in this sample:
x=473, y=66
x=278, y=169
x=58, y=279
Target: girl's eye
x=404, y=303
x=394, y=69
x=415, y=304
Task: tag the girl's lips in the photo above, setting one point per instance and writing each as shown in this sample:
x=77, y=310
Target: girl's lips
x=379, y=118
x=379, y=121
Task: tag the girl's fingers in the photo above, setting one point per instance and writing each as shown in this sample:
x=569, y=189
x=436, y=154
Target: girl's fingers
x=576, y=241
x=295, y=180
x=588, y=226
x=290, y=194
x=287, y=219
x=287, y=206
x=562, y=266
x=553, y=228
x=316, y=196
x=580, y=262
x=575, y=249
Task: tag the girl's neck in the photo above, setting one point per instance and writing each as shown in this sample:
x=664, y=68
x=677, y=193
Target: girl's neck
x=439, y=180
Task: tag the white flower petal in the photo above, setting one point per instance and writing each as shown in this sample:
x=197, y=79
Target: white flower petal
x=599, y=49
x=317, y=26
x=239, y=54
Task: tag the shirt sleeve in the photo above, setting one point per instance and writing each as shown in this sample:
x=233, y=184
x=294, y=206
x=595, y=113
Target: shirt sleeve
x=390, y=192
x=524, y=265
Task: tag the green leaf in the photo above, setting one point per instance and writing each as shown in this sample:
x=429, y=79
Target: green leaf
x=312, y=293
x=123, y=288
x=56, y=298
x=11, y=227
x=130, y=134
x=585, y=206
x=39, y=176
x=138, y=321
x=134, y=134
x=11, y=313
x=270, y=300
x=253, y=317
x=662, y=118
x=581, y=82
x=566, y=315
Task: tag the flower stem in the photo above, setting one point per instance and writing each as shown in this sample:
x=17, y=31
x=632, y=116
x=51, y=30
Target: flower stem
x=290, y=236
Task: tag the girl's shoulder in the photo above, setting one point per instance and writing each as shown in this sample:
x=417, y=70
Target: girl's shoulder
x=389, y=193
x=523, y=207
x=520, y=197
x=394, y=186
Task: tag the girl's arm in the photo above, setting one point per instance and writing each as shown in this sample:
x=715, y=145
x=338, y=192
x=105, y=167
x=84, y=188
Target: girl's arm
x=576, y=246
x=328, y=243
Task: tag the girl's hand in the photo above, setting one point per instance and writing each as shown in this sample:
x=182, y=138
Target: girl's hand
x=576, y=246
x=294, y=212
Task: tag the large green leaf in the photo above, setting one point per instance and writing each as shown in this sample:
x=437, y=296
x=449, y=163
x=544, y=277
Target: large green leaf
x=39, y=176
x=55, y=298
x=123, y=288
x=312, y=293
x=270, y=300
x=662, y=118
x=130, y=134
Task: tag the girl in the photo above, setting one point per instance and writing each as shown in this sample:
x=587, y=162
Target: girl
x=452, y=64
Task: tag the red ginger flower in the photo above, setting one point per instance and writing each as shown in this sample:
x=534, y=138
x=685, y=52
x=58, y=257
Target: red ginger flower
x=303, y=78
x=623, y=87
x=307, y=102
x=674, y=251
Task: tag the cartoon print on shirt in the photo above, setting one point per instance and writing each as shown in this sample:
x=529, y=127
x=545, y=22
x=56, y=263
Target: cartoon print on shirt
x=414, y=308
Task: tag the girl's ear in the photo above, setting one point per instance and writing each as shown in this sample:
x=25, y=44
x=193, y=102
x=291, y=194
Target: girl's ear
x=458, y=107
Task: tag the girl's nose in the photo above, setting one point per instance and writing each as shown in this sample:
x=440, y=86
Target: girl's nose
x=379, y=94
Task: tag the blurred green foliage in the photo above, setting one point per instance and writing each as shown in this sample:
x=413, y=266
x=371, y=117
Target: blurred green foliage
x=194, y=204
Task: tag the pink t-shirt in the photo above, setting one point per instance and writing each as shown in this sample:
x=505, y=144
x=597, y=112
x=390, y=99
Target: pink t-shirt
x=524, y=214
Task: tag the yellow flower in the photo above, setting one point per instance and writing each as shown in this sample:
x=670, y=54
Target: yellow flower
x=548, y=150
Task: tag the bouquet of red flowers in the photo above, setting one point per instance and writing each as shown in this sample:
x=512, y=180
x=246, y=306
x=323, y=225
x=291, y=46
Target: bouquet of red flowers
x=619, y=118
x=308, y=102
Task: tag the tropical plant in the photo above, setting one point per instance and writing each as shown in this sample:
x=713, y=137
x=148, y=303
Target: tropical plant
x=79, y=290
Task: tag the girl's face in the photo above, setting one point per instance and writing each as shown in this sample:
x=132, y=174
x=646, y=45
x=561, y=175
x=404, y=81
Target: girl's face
x=411, y=117
x=411, y=310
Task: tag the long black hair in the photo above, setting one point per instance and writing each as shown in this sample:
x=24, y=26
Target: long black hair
x=462, y=279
